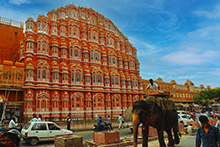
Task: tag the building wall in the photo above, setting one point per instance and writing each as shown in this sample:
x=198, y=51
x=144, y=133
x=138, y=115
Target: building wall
x=11, y=83
x=77, y=62
x=179, y=93
x=11, y=34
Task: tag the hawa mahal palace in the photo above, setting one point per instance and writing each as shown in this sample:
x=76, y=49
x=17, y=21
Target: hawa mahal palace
x=73, y=61
x=77, y=62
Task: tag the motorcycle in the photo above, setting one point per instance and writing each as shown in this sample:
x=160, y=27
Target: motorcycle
x=102, y=127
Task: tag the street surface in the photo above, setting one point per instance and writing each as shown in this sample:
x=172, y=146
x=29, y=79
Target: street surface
x=87, y=136
x=185, y=141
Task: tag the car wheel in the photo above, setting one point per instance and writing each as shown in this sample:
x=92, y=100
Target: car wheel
x=33, y=141
x=131, y=130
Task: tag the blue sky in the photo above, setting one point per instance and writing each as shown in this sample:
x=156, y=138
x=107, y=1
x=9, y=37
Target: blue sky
x=175, y=39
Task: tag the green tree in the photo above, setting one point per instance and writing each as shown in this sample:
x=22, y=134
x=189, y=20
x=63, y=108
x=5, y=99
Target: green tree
x=204, y=97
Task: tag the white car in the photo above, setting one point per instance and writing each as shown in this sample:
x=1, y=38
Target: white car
x=33, y=132
x=184, y=118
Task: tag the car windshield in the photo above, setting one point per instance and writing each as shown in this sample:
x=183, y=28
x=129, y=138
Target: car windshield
x=27, y=126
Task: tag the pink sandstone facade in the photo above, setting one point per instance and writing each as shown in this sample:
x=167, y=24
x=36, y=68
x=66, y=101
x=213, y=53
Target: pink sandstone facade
x=77, y=62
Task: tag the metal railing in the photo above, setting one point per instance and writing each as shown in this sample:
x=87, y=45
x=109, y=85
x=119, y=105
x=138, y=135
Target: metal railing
x=11, y=22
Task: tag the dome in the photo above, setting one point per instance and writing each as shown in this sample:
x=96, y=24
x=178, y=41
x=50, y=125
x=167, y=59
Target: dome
x=159, y=79
x=201, y=86
x=173, y=82
x=188, y=82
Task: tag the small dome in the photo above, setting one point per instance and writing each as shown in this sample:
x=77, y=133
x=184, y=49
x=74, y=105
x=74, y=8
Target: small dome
x=188, y=82
x=159, y=79
x=201, y=86
x=173, y=82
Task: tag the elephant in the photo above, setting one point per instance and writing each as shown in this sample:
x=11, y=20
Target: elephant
x=149, y=114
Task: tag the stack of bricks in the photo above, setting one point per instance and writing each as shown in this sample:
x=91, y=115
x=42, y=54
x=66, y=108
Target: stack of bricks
x=68, y=140
x=106, y=137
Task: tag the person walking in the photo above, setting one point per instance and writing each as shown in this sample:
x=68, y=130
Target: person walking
x=34, y=119
x=207, y=133
x=121, y=121
x=109, y=122
x=12, y=123
x=39, y=118
x=68, y=122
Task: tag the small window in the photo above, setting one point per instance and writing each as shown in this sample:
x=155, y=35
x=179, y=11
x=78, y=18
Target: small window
x=40, y=126
x=53, y=127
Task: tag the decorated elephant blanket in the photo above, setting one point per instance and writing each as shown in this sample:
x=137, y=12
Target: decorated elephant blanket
x=164, y=103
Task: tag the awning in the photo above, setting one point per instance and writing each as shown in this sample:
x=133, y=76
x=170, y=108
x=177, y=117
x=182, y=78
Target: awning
x=2, y=98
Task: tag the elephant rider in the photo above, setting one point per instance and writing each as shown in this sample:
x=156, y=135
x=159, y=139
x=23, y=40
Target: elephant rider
x=163, y=102
x=152, y=85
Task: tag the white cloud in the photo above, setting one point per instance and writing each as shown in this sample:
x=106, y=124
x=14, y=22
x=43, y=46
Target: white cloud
x=214, y=14
x=19, y=2
x=190, y=56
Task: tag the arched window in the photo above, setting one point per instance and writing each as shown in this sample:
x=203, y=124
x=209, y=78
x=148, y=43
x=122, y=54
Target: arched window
x=38, y=73
x=76, y=52
x=99, y=78
x=44, y=74
x=38, y=46
x=116, y=81
x=96, y=56
x=72, y=76
x=91, y=55
x=44, y=47
x=93, y=77
x=78, y=78
x=113, y=60
x=71, y=52
x=113, y=81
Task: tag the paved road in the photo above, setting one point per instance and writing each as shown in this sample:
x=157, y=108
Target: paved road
x=186, y=140
x=87, y=136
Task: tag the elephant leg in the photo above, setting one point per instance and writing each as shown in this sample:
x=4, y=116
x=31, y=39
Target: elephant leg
x=170, y=137
x=145, y=131
x=136, y=123
x=161, y=137
x=176, y=134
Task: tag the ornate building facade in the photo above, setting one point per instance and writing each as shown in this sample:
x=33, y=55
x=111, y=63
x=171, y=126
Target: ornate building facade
x=77, y=62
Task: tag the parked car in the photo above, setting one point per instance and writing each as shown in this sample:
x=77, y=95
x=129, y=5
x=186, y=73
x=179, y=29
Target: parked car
x=33, y=132
x=184, y=118
x=183, y=112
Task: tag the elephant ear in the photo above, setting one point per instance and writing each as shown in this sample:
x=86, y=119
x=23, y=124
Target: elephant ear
x=140, y=105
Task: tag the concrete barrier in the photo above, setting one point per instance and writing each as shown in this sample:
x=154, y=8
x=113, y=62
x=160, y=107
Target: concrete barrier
x=68, y=140
x=106, y=137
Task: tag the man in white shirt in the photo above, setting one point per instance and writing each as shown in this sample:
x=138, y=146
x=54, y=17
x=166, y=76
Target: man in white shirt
x=34, y=119
x=39, y=118
x=152, y=85
x=121, y=121
x=12, y=123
